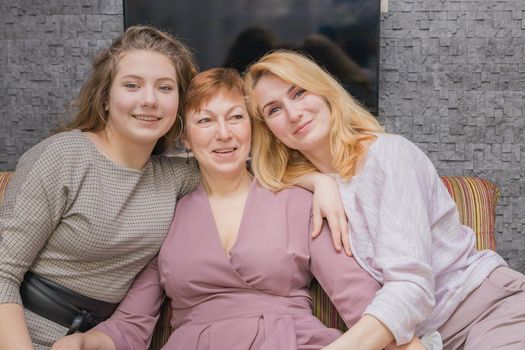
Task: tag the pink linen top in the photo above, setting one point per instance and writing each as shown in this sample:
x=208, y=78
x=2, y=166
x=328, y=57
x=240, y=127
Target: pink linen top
x=405, y=231
x=255, y=298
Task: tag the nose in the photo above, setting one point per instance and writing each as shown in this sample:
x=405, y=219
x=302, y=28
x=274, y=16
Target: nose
x=223, y=131
x=293, y=112
x=149, y=97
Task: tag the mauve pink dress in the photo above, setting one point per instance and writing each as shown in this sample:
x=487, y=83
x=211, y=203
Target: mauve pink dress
x=256, y=298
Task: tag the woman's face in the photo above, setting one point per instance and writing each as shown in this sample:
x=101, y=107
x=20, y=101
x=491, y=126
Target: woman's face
x=219, y=135
x=298, y=118
x=143, y=98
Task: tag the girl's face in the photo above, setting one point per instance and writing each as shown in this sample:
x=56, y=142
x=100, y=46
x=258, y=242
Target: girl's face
x=298, y=118
x=143, y=98
x=219, y=135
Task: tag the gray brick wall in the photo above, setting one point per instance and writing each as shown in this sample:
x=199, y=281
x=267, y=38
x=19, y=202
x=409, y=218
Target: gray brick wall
x=45, y=52
x=452, y=80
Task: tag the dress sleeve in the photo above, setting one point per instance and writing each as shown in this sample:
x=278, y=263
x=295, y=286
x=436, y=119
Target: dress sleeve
x=187, y=175
x=349, y=287
x=405, y=185
x=33, y=205
x=131, y=325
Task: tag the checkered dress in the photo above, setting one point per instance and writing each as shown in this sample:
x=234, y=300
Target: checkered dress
x=74, y=217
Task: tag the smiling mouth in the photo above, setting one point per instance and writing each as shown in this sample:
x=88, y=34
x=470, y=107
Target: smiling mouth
x=301, y=127
x=225, y=151
x=147, y=118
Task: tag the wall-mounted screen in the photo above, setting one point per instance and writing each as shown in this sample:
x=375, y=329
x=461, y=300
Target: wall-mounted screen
x=341, y=35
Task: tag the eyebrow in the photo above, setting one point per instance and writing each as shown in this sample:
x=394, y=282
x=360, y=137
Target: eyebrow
x=273, y=101
x=138, y=77
x=209, y=111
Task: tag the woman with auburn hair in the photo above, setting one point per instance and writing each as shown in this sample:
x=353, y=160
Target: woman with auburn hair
x=89, y=207
x=404, y=227
x=238, y=259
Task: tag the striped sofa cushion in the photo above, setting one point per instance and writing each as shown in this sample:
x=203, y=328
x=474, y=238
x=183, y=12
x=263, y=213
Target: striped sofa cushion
x=476, y=200
x=4, y=179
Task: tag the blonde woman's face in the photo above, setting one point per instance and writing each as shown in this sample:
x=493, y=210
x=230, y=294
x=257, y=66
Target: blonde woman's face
x=298, y=118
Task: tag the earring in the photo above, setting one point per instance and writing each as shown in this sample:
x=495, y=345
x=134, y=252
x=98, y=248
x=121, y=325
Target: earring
x=181, y=123
x=187, y=155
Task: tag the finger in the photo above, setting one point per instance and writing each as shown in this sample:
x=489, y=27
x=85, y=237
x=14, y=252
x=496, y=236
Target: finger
x=345, y=236
x=335, y=230
x=317, y=220
x=346, y=244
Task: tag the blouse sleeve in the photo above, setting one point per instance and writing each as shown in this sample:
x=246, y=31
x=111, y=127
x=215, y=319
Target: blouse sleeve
x=401, y=237
x=32, y=208
x=131, y=325
x=349, y=287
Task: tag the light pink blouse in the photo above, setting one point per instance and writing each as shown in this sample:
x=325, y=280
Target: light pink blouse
x=405, y=231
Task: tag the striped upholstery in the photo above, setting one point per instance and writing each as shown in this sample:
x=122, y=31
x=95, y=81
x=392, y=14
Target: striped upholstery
x=4, y=179
x=476, y=200
x=163, y=328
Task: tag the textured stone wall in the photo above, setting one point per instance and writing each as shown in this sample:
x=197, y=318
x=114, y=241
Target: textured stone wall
x=45, y=52
x=452, y=80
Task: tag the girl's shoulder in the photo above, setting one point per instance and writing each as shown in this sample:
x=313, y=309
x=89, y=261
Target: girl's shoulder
x=60, y=147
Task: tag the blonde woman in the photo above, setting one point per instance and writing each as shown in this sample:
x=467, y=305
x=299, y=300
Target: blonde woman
x=404, y=227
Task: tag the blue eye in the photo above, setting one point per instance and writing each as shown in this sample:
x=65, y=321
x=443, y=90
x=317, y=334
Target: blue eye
x=273, y=110
x=131, y=85
x=165, y=88
x=299, y=93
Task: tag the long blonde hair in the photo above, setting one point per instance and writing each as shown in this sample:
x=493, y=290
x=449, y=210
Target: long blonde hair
x=278, y=166
x=94, y=95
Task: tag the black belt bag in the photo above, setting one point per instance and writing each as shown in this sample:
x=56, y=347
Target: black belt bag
x=61, y=305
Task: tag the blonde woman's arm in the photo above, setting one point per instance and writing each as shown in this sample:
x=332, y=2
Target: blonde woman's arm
x=327, y=204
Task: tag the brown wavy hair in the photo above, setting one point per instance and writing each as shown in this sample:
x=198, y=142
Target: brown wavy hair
x=94, y=94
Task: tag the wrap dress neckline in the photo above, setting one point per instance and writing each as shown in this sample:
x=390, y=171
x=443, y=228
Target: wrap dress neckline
x=201, y=192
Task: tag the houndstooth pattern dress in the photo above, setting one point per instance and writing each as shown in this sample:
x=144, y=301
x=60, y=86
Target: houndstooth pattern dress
x=74, y=217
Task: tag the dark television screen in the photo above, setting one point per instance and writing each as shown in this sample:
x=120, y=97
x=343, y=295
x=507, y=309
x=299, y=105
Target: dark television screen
x=341, y=35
